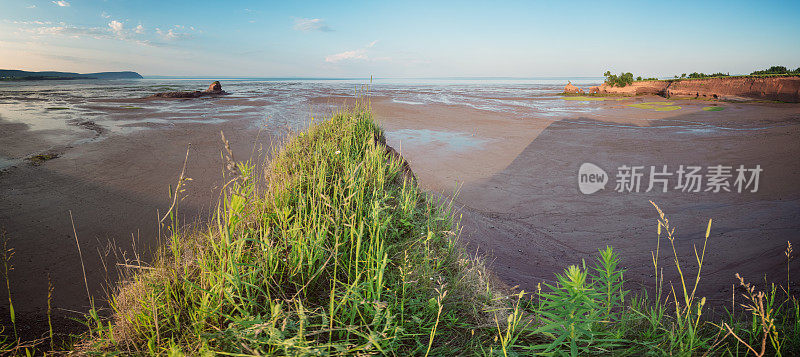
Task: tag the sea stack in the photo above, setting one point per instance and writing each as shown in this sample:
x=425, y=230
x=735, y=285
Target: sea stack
x=569, y=88
x=214, y=87
x=213, y=90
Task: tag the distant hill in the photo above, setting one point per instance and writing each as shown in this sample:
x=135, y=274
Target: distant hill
x=17, y=75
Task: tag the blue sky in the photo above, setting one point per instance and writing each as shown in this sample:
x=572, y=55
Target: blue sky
x=399, y=38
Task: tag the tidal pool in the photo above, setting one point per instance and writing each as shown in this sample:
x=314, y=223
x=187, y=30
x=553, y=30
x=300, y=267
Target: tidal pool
x=447, y=140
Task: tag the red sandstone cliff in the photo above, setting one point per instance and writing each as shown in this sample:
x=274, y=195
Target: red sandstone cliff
x=785, y=89
x=637, y=88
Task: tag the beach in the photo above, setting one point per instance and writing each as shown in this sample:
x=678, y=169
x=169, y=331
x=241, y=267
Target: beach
x=507, y=154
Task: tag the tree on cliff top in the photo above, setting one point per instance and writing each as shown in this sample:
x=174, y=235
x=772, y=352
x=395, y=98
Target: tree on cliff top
x=621, y=80
x=777, y=70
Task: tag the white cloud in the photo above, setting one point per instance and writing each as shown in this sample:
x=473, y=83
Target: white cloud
x=311, y=25
x=68, y=30
x=37, y=22
x=30, y=7
x=359, y=54
x=175, y=34
x=61, y=3
x=347, y=55
x=113, y=30
x=116, y=26
x=105, y=15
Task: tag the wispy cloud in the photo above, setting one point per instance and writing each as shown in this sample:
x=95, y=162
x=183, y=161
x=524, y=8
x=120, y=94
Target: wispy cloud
x=114, y=30
x=347, y=55
x=71, y=31
x=177, y=33
x=30, y=7
x=61, y=3
x=36, y=22
x=104, y=15
x=358, y=54
x=307, y=25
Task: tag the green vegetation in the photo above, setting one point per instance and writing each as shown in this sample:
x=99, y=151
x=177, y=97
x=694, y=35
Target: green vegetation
x=621, y=80
x=590, y=97
x=37, y=160
x=713, y=75
x=777, y=70
x=657, y=106
x=713, y=108
x=341, y=253
x=332, y=249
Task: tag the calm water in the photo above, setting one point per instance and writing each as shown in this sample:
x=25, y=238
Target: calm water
x=68, y=113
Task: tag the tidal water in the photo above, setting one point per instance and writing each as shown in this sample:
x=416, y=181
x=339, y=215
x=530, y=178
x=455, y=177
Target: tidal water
x=72, y=112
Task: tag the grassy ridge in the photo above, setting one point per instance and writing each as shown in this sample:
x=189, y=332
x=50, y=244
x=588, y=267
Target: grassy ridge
x=333, y=250
x=340, y=254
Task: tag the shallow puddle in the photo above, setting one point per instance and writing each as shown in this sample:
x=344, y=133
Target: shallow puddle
x=448, y=140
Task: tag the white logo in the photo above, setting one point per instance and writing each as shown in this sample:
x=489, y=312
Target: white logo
x=591, y=178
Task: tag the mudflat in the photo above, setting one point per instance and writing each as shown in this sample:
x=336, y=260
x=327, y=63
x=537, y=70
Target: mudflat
x=517, y=186
x=114, y=189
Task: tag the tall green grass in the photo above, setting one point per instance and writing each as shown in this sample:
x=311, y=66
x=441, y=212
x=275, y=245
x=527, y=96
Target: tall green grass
x=331, y=249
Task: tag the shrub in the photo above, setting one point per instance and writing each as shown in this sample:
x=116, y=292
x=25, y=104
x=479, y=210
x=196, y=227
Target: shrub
x=703, y=75
x=621, y=80
x=772, y=70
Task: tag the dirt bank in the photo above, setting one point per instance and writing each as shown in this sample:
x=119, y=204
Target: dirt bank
x=784, y=89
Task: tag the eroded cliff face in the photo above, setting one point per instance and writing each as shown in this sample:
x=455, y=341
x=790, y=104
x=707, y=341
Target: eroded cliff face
x=785, y=89
x=637, y=88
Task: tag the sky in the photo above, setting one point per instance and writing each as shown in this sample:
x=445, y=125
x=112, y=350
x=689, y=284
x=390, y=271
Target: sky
x=398, y=39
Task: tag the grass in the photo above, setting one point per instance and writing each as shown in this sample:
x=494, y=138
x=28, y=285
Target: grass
x=732, y=76
x=656, y=106
x=37, y=160
x=331, y=249
x=713, y=108
x=590, y=98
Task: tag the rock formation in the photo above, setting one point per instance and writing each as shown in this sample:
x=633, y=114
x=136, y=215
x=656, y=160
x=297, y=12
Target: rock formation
x=569, y=88
x=636, y=88
x=784, y=89
x=213, y=90
x=214, y=87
